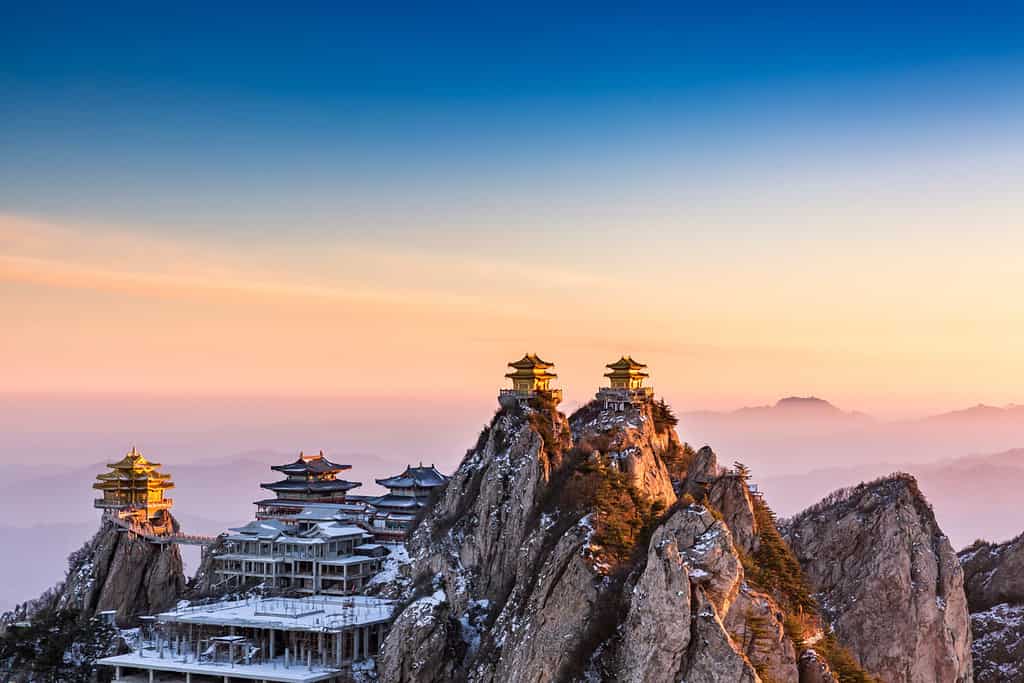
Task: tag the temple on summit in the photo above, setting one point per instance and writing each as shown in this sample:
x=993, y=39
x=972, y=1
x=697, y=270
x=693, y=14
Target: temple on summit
x=626, y=379
x=134, y=487
x=531, y=378
x=310, y=479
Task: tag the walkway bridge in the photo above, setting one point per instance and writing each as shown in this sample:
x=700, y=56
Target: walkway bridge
x=129, y=524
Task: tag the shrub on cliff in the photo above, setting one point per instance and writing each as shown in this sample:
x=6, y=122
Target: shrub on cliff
x=622, y=518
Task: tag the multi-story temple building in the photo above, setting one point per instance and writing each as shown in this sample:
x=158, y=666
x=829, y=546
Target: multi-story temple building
x=310, y=479
x=134, y=487
x=308, y=538
x=626, y=379
x=408, y=493
x=531, y=378
x=328, y=556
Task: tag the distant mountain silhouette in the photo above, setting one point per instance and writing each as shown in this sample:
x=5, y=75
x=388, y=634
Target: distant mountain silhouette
x=974, y=496
x=788, y=407
x=981, y=413
x=809, y=404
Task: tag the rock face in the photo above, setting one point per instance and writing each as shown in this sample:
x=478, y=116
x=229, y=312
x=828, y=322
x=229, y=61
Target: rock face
x=477, y=555
x=559, y=552
x=632, y=439
x=206, y=583
x=994, y=580
x=674, y=629
x=730, y=495
x=888, y=581
x=116, y=570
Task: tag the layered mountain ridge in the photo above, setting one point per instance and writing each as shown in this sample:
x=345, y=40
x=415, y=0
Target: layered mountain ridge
x=600, y=547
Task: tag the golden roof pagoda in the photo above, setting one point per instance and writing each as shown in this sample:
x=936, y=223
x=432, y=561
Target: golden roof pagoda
x=530, y=373
x=531, y=376
x=626, y=373
x=134, y=483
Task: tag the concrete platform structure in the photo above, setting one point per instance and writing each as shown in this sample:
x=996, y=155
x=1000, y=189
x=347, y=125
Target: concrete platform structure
x=286, y=640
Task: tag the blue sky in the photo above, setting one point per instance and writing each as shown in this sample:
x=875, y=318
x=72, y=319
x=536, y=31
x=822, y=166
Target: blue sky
x=796, y=198
x=171, y=105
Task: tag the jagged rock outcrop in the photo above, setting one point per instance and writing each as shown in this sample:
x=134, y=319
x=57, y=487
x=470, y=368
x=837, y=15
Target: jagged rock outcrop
x=205, y=583
x=558, y=552
x=730, y=495
x=993, y=573
x=633, y=439
x=480, y=546
x=755, y=623
x=700, y=474
x=117, y=570
x=673, y=630
x=994, y=581
x=425, y=643
x=887, y=580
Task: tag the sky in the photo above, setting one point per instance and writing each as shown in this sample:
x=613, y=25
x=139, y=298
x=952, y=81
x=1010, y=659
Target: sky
x=340, y=201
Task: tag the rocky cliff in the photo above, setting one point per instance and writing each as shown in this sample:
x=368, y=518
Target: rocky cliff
x=117, y=570
x=888, y=581
x=994, y=580
x=589, y=549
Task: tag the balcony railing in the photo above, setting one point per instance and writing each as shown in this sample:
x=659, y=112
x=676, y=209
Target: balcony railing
x=105, y=504
x=633, y=395
x=513, y=394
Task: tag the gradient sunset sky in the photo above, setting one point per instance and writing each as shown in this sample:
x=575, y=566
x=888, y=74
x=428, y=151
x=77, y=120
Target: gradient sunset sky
x=755, y=201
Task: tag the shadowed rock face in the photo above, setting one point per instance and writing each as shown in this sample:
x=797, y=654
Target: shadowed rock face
x=730, y=495
x=479, y=556
x=119, y=571
x=634, y=442
x=888, y=581
x=512, y=585
x=513, y=577
x=994, y=580
x=674, y=627
x=512, y=588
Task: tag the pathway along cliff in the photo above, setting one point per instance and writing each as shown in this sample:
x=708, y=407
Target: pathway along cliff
x=601, y=548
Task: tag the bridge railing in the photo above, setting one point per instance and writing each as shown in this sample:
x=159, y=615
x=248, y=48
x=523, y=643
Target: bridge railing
x=134, y=527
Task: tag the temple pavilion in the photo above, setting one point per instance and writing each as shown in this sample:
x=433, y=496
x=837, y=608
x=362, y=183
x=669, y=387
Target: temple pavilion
x=408, y=493
x=310, y=479
x=626, y=378
x=531, y=378
x=134, y=486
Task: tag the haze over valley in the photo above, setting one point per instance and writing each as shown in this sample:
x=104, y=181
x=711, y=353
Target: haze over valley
x=219, y=450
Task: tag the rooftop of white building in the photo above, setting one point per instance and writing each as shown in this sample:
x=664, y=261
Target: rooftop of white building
x=313, y=613
x=264, y=671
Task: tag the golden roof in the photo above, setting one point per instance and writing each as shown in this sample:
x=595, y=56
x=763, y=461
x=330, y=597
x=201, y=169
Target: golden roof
x=133, y=471
x=531, y=361
x=531, y=367
x=133, y=460
x=626, y=367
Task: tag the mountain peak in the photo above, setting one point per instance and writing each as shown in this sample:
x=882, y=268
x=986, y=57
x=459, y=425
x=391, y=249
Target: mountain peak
x=806, y=403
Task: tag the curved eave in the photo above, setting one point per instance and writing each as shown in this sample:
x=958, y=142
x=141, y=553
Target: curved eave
x=310, y=487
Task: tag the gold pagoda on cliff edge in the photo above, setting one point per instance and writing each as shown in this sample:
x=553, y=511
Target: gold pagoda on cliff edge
x=135, y=485
x=531, y=378
x=627, y=388
x=626, y=373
